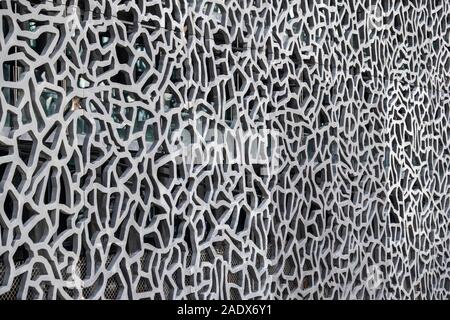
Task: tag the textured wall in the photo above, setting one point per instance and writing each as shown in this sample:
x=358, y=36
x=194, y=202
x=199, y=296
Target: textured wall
x=224, y=149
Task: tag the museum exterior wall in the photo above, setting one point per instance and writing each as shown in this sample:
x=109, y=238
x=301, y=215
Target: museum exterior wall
x=224, y=149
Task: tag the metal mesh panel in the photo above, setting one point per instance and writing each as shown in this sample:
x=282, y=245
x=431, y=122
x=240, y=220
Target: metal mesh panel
x=143, y=285
x=113, y=288
x=12, y=294
x=2, y=272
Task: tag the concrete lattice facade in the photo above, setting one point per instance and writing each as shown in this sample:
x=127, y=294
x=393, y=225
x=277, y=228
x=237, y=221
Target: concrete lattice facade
x=208, y=149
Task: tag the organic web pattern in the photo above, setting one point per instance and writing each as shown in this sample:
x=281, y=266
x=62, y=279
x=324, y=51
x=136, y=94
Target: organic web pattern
x=130, y=169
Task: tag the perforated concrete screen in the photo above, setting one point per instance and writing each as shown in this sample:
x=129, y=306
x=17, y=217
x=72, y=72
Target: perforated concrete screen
x=232, y=149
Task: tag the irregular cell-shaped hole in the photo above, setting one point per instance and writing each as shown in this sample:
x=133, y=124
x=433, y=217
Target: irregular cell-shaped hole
x=50, y=101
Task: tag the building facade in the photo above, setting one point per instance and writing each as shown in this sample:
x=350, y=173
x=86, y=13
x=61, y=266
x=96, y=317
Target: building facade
x=224, y=149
